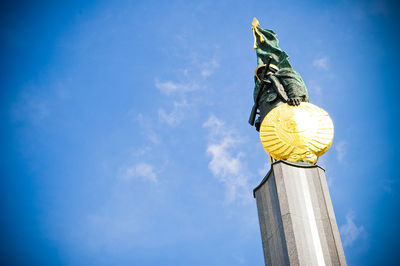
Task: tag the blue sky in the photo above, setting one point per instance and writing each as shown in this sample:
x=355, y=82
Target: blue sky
x=124, y=134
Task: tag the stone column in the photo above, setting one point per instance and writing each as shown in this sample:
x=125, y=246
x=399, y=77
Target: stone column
x=297, y=222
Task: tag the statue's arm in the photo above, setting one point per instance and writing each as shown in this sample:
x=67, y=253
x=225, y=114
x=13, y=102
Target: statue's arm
x=297, y=91
x=294, y=86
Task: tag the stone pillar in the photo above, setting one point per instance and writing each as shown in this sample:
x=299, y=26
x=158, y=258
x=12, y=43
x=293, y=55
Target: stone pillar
x=297, y=222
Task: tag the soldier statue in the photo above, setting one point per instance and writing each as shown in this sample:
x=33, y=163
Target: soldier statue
x=275, y=80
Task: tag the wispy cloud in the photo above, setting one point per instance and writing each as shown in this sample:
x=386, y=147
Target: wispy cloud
x=350, y=232
x=263, y=171
x=141, y=170
x=142, y=151
x=208, y=67
x=173, y=89
x=174, y=117
x=226, y=164
x=321, y=63
x=191, y=79
x=341, y=149
x=147, y=129
x=170, y=87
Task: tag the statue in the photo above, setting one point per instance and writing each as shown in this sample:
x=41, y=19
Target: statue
x=290, y=127
x=276, y=82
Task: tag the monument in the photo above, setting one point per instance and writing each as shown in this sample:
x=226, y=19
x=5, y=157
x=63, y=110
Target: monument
x=297, y=221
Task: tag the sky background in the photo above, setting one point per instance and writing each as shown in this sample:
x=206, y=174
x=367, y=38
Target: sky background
x=124, y=134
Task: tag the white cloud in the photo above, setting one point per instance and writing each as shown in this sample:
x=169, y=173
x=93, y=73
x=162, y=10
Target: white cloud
x=154, y=137
x=179, y=91
x=340, y=148
x=263, y=171
x=208, y=68
x=140, y=170
x=215, y=124
x=170, y=87
x=147, y=129
x=142, y=151
x=175, y=116
x=321, y=63
x=226, y=164
x=223, y=163
x=350, y=232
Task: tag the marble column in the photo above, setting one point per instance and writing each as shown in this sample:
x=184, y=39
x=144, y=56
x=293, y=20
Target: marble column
x=297, y=222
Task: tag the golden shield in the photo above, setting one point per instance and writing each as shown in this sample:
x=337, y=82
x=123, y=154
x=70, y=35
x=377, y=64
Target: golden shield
x=297, y=133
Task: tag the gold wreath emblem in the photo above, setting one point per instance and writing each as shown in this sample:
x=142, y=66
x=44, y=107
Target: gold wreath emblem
x=297, y=133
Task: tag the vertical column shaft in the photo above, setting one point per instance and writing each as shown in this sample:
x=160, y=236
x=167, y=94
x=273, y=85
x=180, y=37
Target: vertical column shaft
x=297, y=222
